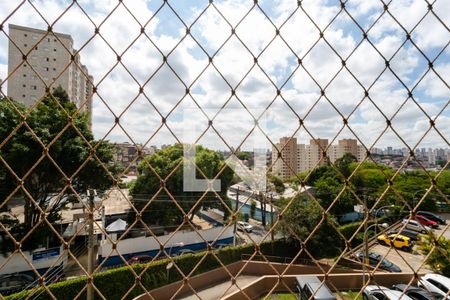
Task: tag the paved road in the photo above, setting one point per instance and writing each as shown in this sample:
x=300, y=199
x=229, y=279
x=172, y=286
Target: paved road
x=406, y=261
x=220, y=290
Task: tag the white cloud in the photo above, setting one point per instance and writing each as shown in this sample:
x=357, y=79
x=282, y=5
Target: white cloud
x=164, y=89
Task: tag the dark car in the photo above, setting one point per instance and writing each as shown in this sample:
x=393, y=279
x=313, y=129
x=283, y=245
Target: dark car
x=12, y=283
x=374, y=259
x=432, y=217
x=413, y=235
x=416, y=293
x=142, y=259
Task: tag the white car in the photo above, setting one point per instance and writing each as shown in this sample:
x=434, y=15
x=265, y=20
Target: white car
x=244, y=226
x=435, y=283
x=377, y=292
x=416, y=226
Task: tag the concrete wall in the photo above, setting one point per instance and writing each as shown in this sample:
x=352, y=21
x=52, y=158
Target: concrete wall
x=336, y=282
x=268, y=273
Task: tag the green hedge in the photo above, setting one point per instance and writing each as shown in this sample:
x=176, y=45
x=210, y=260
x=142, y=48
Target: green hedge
x=115, y=283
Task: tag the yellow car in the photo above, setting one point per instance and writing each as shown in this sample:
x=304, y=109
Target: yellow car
x=397, y=240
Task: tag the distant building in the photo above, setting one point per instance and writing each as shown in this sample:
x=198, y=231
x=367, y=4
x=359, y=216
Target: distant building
x=344, y=146
x=285, y=157
x=127, y=155
x=38, y=59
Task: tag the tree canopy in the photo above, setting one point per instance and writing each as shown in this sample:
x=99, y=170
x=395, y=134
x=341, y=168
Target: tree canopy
x=47, y=157
x=162, y=206
x=299, y=221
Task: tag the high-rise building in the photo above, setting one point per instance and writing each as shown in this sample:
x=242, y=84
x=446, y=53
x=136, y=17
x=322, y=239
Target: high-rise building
x=38, y=59
x=285, y=164
x=344, y=146
x=301, y=157
x=315, y=154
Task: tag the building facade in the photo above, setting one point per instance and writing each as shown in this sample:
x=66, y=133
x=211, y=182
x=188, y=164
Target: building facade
x=300, y=157
x=38, y=60
x=127, y=155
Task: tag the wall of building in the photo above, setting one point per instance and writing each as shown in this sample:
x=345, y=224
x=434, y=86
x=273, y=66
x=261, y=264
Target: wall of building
x=48, y=64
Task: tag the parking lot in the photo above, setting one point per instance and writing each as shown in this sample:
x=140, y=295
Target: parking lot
x=410, y=261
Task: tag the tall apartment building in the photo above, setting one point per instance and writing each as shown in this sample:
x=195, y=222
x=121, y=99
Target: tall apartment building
x=305, y=157
x=50, y=61
x=287, y=164
x=343, y=146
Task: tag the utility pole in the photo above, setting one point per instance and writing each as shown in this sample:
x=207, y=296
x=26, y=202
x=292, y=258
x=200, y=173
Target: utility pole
x=235, y=220
x=90, y=264
x=366, y=248
x=263, y=209
x=271, y=217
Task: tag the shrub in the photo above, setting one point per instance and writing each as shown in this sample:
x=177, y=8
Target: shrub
x=115, y=283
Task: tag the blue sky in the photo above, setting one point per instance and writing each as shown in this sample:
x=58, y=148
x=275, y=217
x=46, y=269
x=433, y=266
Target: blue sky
x=211, y=87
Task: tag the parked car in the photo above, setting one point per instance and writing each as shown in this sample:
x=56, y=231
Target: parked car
x=12, y=283
x=184, y=251
x=435, y=283
x=244, y=226
x=432, y=217
x=413, y=235
x=376, y=292
x=141, y=259
x=416, y=226
x=397, y=240
x=425, y=221
x=416, y=293
x=374, y=259
x=310, y=287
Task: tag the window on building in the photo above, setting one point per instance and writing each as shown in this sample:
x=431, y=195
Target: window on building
x=54, y=59
x=46, y=69
x=25, y=45
x=54, y=40
x=24, y=75
x=24, y=85
x=47, y=59
x=48, y=39
x=54, y=69
x=35, y=48
x=23, y=96
x=25, y=35
x=54, y=49
x=24, y=65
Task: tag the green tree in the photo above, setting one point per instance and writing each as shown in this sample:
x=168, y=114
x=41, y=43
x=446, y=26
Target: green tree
x=47, y=159
x=277, y=183
x=343, y=164
x=300, y=220
x=438, y=260
x=161, y=202
x=326, y=191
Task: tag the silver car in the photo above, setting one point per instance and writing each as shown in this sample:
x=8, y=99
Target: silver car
x=416, y=226
x=377, y=292
x=435, y=283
